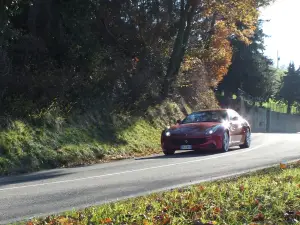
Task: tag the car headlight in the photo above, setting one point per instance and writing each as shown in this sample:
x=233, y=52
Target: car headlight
x=168, y=133
x=211, y=130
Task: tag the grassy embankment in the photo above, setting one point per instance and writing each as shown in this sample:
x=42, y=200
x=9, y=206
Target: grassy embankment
x=51, y=141
x=275, y=106
x=269, y=196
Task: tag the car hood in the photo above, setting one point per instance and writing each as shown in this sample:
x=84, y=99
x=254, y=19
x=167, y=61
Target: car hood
x=191, y=128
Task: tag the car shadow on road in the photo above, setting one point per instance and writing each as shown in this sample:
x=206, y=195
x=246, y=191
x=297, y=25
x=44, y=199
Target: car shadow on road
x=30, y=177
x=186, y=154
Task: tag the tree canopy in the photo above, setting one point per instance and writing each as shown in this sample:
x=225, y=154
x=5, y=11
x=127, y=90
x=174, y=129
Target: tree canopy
x=251, y=70
x=290, y=92
x=130, y=52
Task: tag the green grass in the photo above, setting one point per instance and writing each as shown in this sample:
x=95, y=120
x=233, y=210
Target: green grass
x=52, y=141
x=275, y=106
x=269, y=196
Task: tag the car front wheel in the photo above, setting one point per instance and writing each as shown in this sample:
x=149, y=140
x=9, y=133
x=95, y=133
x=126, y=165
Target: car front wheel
x=247, y=139
x=225, y=142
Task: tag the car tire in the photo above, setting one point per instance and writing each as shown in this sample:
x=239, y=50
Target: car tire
x=247, y=142
x=169, y=152
x=225, y=142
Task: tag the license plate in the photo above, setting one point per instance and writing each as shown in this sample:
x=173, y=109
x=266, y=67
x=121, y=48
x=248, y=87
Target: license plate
x=185, y=147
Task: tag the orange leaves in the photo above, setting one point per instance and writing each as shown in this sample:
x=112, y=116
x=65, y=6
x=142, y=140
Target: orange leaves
x=217, y=210
x=218, y=55
x=163, y=219
x=283, y=165
x=229, y=15
x=146, y=222
x=242, y=188
x=106, y=221
x=201, y=188
x=197, y=208
x=259, y=217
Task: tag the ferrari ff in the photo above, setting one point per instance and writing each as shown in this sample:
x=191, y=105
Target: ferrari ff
x=208, y=129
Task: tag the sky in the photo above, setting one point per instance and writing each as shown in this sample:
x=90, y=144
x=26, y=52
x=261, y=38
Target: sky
x=284, y=31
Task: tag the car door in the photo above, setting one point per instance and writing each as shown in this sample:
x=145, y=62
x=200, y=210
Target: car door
x=235, y=126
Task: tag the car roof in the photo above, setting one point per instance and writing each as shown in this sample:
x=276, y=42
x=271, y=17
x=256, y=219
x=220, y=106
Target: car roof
x=210, y=110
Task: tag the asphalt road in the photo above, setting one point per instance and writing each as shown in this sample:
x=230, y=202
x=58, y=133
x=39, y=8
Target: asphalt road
x=59, y=190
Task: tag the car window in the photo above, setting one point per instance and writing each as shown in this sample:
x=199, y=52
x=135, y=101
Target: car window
x=206, y=116
x=233, y=114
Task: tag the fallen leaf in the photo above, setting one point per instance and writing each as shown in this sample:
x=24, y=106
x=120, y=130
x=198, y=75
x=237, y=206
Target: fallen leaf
x=259, y=217
x=196, y=208
x=201, y=188
x=146, y=222
x=166, y=220
x=106, y=220
x=165, y=209
x=217, y=210
x=283, y=165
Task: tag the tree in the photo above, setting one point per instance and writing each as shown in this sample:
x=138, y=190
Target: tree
x=129, y=52
x=250, y=70
x=221, y=20
x=290, y=92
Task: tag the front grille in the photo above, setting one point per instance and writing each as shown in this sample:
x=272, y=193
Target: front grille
x=189, y=141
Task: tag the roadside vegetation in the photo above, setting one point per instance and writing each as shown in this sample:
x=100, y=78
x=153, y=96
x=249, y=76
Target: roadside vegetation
x=268, y=196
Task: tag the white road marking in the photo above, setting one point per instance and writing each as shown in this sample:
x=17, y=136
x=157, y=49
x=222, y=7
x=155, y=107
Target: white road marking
x=137, y=170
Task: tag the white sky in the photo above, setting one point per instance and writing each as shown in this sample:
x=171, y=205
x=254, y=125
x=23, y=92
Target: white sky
x=284, y=29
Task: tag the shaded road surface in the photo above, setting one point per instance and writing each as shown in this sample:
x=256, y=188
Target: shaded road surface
x=63, y=189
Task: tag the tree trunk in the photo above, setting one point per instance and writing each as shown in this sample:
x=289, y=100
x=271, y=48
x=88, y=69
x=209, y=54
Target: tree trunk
x=179, y=47
x=289, y=107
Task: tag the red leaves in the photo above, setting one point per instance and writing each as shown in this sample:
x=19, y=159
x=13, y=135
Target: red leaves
x=201, y=188
x=217, y=210
x=242, y=188
x=106, y=221
x=259, y=218
x=196, y=208
x=164, y=219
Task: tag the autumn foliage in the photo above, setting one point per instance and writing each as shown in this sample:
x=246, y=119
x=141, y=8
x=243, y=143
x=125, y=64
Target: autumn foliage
x=233, y=19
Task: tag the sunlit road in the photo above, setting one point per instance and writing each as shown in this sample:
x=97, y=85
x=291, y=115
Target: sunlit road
x=63, y=189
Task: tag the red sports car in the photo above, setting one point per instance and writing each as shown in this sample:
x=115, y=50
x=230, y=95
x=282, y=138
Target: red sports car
x=209, y=129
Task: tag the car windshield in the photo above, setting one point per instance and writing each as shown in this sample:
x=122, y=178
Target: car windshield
x=207, y=116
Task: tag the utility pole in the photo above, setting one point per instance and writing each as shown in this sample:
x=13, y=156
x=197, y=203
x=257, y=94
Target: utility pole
x=278, y=59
